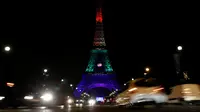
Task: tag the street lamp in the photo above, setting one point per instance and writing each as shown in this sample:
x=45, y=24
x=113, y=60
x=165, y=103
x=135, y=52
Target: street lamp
x=45, y=70
x=177, y=59
x=179, y=48
x=132, y=79
x=71, y=85
x=147, y=69
x=7, y=48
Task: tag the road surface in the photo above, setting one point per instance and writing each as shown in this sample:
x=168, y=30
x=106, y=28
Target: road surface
x=171, y=108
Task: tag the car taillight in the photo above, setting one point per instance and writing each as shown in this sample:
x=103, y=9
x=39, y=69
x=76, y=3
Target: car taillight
x=132, y=90
x=159, y=89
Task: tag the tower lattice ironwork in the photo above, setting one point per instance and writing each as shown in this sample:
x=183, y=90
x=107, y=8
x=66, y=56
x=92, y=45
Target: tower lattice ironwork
x=99, y=72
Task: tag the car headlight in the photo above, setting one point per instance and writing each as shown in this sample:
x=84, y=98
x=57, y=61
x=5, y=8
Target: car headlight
x=91, y=102
x=81, y=104
x=28, y=97
x=69, y=101
x=47, y=97
x=2, y=97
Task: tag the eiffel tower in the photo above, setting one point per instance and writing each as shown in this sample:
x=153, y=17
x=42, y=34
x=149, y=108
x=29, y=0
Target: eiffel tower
x=99, y=72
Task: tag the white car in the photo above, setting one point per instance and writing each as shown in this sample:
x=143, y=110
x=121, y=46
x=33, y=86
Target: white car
x=147, y=91
x=185, y=93
x=142, y=91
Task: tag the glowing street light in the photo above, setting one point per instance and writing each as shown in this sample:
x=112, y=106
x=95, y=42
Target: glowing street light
x=71, y=85
x=132, y=79
x=147, y=69
x=62, y=80
x=179, y=48
x=45, y=70
x=7, y=48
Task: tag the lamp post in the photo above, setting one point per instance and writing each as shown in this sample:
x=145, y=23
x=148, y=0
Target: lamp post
x=10, y=90
x=147, y=70
x=6, y=60
x=44, y=83
x=71, y=85
x=177, y=58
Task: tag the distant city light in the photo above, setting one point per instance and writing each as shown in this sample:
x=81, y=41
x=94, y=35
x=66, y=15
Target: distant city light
x=71, y=85
x=132, y=79
x=62, y=80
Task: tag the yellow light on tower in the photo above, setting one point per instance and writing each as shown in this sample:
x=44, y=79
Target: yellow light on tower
x=9, y=84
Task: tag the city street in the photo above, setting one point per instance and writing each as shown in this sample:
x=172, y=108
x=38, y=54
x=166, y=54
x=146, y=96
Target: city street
x=112, y=109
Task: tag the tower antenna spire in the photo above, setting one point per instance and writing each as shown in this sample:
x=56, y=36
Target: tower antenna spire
x=99, y=17
x=99, y=40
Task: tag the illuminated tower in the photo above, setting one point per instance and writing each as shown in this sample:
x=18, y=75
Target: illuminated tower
x=99, y=72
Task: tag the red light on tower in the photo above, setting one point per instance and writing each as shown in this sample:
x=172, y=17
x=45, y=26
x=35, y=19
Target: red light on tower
x=10, y=84
x=99, y=17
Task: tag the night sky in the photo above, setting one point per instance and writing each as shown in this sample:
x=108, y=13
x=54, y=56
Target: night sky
x=59, y=35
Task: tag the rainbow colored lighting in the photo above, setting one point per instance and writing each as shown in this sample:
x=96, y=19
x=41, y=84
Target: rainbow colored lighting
x=99, y=72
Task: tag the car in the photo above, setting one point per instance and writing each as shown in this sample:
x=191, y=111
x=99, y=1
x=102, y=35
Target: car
x=79, y=103
x=142, y=91
x=73, y=102
x=185, y=93
x=147, y=91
